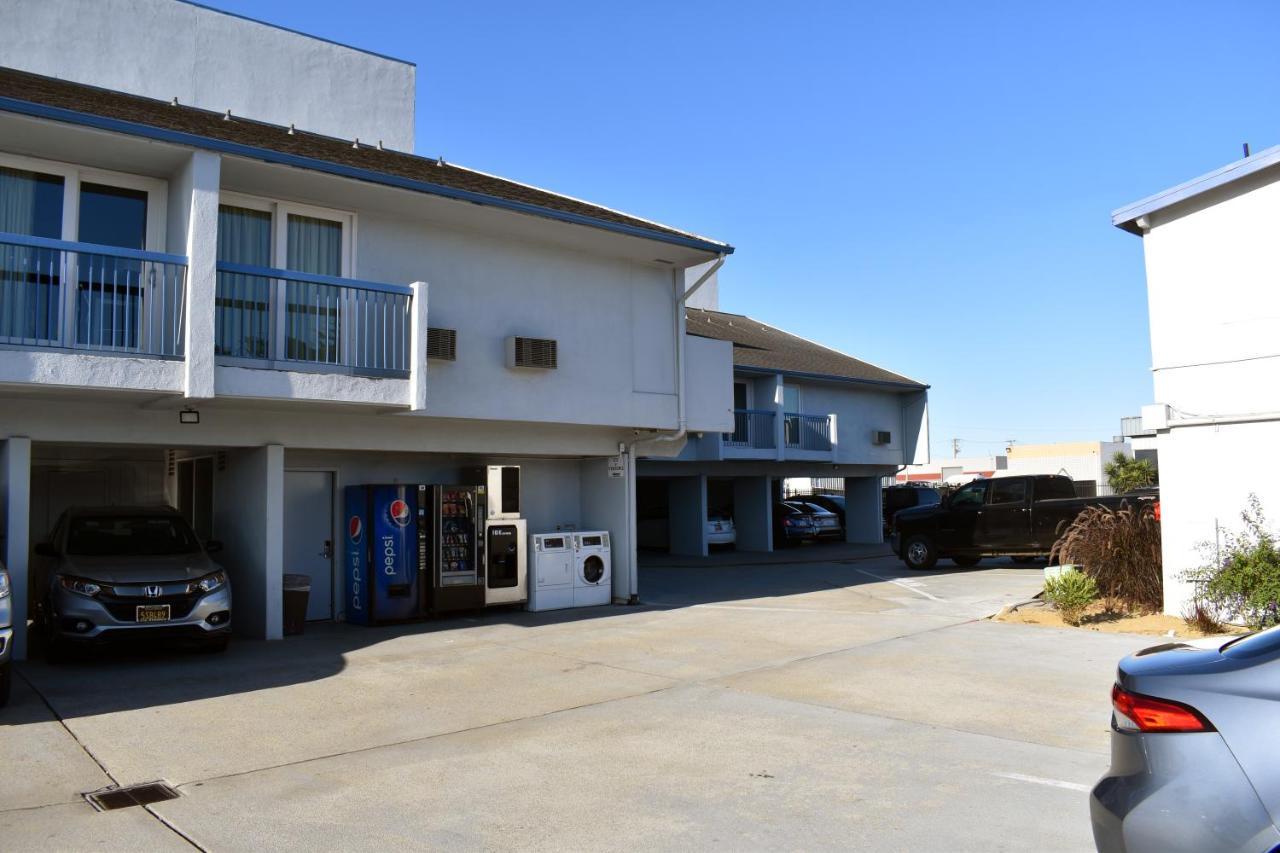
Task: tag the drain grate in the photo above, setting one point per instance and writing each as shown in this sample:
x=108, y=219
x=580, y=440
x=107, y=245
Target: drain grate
x=110, y=799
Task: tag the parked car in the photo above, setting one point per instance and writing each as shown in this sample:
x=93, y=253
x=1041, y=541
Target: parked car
x=895, y=498
x=130, y=572
x=6, y=636
x=825, y=522
x=720, y=529
x=1007, y=516
x=790, y=525
x=1194, y=750
x=831, y=503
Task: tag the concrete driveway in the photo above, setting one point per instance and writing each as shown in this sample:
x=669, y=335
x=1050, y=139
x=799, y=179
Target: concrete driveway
x=798, y=706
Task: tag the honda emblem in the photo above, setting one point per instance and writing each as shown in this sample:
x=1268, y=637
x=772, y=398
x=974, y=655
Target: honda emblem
x=153, y=591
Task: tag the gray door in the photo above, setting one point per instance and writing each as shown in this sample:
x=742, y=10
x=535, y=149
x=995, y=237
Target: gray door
x=308, y=535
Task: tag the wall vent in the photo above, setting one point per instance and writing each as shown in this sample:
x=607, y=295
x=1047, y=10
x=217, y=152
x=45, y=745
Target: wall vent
x=442, y=344
x=531, y=352
x=881, y=436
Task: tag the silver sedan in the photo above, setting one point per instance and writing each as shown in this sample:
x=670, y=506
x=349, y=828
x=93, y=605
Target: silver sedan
x=1195, y=749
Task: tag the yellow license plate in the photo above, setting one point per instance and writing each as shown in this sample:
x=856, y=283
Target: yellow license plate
x=153, y=613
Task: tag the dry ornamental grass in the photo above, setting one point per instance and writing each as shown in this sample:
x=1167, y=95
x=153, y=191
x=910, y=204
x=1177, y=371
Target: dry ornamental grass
x=1120, y=550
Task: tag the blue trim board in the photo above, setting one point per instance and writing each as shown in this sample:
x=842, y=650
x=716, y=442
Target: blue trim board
x=826, y=377
x=312, y=278
x=90, y=249
x=296, y=32
x=267, y=155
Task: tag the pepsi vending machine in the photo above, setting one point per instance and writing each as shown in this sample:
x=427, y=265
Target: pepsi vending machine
x=385, y=577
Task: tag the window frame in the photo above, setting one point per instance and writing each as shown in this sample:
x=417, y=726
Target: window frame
x=281, y=209
x=72, y=174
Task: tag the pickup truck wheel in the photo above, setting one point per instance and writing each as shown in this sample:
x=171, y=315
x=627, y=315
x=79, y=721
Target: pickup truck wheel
x=919, y=553
x=966, y=562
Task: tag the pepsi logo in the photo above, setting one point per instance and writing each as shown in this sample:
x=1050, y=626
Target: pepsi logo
x=399, y=513
x=355, y=529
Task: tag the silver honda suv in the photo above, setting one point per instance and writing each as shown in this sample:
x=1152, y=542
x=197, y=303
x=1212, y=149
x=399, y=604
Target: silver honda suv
x=131, y=572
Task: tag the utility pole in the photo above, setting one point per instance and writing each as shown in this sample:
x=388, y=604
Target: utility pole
x=955, y=448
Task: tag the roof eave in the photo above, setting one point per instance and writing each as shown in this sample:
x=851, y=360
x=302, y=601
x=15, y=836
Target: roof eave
x=827, y=377
x=145, y=131
x=1126, y=218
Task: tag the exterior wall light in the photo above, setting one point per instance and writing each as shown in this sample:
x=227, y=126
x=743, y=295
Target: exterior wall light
x=188, y=416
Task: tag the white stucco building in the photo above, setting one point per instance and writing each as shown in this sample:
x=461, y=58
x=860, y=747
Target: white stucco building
x=1212, y=261
x=239, y=313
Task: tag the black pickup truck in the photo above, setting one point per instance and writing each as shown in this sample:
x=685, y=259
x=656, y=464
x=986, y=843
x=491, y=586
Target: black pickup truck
x=1019, y=517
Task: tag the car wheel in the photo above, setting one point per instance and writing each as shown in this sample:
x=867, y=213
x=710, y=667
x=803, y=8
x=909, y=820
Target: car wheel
x=966, y=562
x=919, y=553
x=6, y=683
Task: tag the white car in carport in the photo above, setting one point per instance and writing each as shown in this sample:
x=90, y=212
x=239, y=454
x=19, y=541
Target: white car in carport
x=720, y=529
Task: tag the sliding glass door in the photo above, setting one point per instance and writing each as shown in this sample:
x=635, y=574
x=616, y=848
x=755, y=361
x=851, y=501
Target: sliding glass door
x=110, y=293
x=243, y=303
x=313, y=311
x=30, y=278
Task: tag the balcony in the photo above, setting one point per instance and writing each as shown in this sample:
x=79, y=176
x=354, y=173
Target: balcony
x=298, y=321
x=807, y=432
x=58, y=295
x=752, y=429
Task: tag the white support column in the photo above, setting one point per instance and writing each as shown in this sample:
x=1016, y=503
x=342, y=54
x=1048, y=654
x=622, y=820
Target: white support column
x=752, y=513
x=15, y=515
x=863, y=518
x=203, y=175
x=418, y=348
x=249, y=520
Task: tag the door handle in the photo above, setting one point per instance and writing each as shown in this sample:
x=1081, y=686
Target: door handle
x=327, y=553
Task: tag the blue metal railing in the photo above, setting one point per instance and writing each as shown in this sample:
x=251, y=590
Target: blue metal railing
x=751, y=428
x=276, y=315
x=63, y=294
x=807, y=432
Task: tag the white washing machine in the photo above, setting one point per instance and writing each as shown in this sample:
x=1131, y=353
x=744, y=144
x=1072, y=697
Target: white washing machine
x=592, y=569
x=550, y=571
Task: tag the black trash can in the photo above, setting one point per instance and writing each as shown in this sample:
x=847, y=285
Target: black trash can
x=297, y=589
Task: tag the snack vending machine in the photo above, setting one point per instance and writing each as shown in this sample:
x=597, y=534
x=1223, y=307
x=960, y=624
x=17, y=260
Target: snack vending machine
x=451, y=546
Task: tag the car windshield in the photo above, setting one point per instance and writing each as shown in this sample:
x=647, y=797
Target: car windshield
x=130, y=536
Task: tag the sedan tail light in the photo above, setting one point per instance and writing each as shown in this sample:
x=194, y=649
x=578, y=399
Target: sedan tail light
x=1137, y=713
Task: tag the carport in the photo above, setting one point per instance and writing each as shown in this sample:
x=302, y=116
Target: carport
x=230, y=494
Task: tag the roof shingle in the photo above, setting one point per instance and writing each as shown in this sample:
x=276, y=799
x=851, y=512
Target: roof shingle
x=757, y=345
x=161, y=115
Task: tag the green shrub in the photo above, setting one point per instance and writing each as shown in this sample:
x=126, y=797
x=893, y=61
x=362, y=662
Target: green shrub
x=1118, y=548
x=1071, y=592
x=1241, y=579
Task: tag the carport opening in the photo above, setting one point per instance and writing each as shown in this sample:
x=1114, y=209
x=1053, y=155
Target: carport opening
x=143, y=794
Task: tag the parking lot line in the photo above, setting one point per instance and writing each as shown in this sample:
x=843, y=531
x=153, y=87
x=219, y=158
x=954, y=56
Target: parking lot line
x=914, y=586
x=1040, y=780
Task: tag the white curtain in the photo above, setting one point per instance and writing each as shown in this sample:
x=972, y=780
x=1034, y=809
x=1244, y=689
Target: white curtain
x=29, y=278
x=313, y=312
x=243, y=321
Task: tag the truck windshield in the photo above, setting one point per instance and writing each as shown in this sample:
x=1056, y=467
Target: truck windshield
x=130, y=536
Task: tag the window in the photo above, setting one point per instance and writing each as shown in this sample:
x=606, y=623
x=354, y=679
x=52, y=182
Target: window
x=971, y=495
x=305, y=320
x=1008, y=491
x=791, y=414
x=243, y=303
x=31, y=206
x=108, y=299
x=63, y=202
x=740, y=417
x=1051, y=488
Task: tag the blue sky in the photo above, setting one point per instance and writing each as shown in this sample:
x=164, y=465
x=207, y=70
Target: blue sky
x=926, y=186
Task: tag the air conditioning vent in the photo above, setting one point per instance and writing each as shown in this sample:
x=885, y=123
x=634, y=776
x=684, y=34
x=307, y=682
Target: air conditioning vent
x=442, y=344
x=531, y=352
x=881, y=436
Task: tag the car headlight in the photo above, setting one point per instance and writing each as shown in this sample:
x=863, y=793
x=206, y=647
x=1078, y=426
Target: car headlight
x=208, y=583
x=4, y=583
x=80, y=586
